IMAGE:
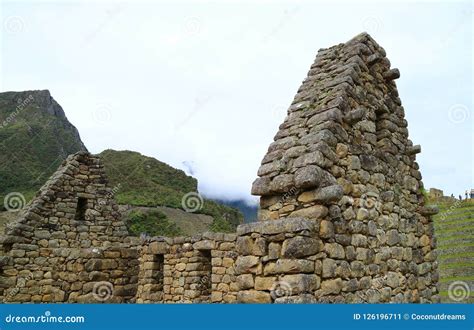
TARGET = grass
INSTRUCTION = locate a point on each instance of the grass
(456, 265)
(446, 294)
(455, 230)
(448, 238)
(454, 213)
(454, 223)
(153, 223)
(455, 217)
(456, 255)
(454, 226)
(457, 278)
(450, 246)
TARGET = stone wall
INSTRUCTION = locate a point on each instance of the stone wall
(343, 217)
(75, 275)
(184, 269)
(278, 261)
(100, 275)
(45, 250)
(436, 193)
(343, 156)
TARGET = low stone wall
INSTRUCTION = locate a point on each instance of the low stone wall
(102, 275)
(188, 269)
(277, 261)
(92, 275)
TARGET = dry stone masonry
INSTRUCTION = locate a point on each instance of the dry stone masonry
(196, 269)
(69, 237)
(342, 157)
(342, 214)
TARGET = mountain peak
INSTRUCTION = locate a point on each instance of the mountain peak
(35, 137)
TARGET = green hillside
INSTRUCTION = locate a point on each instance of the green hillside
(145, 181)
(35, 137)
(454, 230)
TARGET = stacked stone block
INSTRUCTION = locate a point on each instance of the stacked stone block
(343, 156)
(54, 230)
(195, 269)
(101, 275)
(75, 275)
(278, 261)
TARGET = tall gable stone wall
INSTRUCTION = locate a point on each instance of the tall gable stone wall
(343, 156)
(71, 220)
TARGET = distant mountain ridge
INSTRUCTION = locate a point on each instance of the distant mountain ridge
(35, 137)
(249, 211)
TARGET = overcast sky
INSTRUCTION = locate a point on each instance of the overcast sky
(204, 85)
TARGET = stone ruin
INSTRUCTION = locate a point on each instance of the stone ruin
(342, 214)
(436, 193)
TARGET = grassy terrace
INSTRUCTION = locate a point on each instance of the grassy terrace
(454, 230)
